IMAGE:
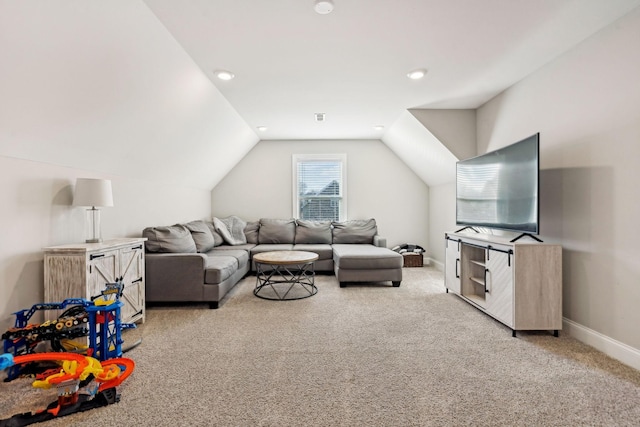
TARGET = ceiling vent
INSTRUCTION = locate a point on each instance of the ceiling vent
(320, 117)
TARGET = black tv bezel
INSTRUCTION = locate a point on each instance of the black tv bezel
(501, 226)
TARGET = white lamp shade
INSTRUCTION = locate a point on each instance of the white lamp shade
(93, 192)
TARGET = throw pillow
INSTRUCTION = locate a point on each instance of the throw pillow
(231, 229)
(201, 235)
(354, 231)
(173, 239)
(276, 231)
(313, 231)
(251, 231)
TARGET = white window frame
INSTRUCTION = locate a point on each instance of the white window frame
(298, 158)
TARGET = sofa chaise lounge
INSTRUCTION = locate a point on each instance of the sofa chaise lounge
(201, 261)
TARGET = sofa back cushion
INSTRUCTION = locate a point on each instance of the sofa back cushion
(276, 231)
(354, 231)
(313, 232)
(175, 238)
(251, 231)
(217, 238)
(201, 235)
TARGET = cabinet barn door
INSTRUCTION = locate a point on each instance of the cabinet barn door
(499, 296)
(452, 266)
(102, 269)
(132, 273)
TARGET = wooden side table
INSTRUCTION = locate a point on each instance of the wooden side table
(82, 270)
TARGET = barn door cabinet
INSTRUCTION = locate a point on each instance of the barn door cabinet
(82, 270)
(517, 283)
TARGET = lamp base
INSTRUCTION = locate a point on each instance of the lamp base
(93, 230)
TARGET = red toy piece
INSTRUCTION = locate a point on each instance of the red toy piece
(77, 371)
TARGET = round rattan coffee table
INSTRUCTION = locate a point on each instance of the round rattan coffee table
(285, 275)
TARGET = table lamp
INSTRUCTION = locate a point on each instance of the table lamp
(94, 193)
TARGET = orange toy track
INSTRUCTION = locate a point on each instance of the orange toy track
(128, 364)
(108, 373)
(82, 361)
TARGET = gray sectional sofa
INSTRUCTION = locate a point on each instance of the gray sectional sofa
(201, 261)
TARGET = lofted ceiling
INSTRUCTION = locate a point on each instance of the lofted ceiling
(291, 62)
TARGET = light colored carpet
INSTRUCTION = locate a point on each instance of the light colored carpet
(365, 355)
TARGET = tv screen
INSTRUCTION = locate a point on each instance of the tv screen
(500, 189)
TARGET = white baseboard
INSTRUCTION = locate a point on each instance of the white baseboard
(616, 349)
(620, 351)
(432, 262)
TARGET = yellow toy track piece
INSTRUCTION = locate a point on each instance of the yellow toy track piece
(70, 366)
(71, 345)
(94, 367)
(102, 301)
(45, 383)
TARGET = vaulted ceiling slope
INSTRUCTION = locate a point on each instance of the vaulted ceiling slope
(103, 86)
(126, 87)
(290, 62)
(351, 64)
(421, 151)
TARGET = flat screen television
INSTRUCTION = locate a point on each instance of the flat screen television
(500, 189)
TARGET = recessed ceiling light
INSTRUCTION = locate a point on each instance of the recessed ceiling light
(224, 74)
(417, 74)
(262, 128)
(378, 127)
(323, 6)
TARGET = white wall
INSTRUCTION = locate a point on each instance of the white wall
(379, 186)
(101, 90)
(455, 130)
(420, 149)
(442, 219)
(37, 212)
(586, 106)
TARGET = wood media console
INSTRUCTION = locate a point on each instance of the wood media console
(518, 283)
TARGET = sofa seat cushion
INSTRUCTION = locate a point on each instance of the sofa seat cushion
(246, 247)
(219, 268)
(361, 257)
(271, 247)
(323, 251)
(240, 255)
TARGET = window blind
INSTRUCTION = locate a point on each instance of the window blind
(320, 189)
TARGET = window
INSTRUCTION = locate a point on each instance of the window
(319, 186)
